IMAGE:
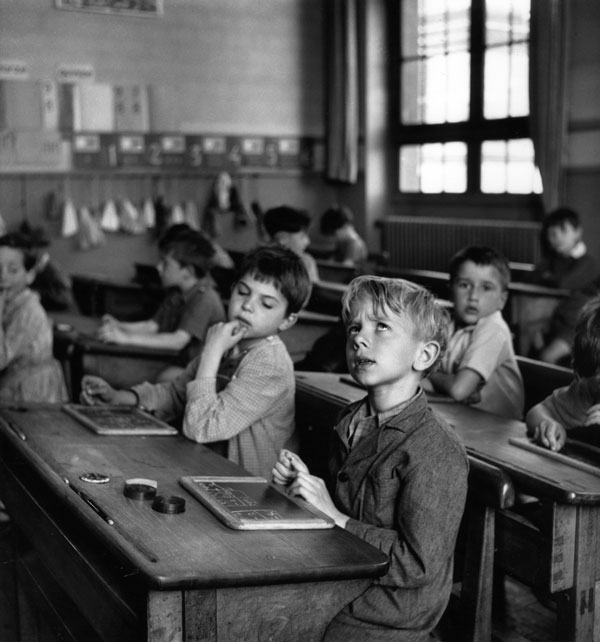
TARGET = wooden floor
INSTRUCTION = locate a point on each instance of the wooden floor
(526, 620)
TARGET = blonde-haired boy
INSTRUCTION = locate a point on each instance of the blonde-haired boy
(398, 472)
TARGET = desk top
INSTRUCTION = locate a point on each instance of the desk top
(188, 550)
(80, 330)
(486, 437)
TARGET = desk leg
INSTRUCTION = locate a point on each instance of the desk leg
(165, 616)
(290, 612)
(578, 615)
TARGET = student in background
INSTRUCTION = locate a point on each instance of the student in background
(398, 472)
(567, 265)
(578, 404)
(28, 370)
(188, 310)
(288, 227)
(349, 249)
(240, 389)
(50, 282)
(479, 367)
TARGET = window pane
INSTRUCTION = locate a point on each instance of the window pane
(506, 21)
(435, 68)
(519, 80)
(496, 83)
(508, 167)
(506, 81)
(493, 167)
(433, 168)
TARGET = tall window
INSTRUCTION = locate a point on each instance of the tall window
(463, 97)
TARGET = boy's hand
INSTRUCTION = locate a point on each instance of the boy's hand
(223, 336)
(108, 319)
(111, 334)
(287, 468)
(593, 415)
(550, 434)
(95, 391)
(313, 490)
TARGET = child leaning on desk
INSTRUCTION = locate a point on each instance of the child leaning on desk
(577, 404)
(240, 389)
(28, 370)
(398, 472)
(479, 367)
(188, 310)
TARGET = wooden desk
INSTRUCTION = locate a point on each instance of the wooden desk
(561, 555)
(80, 352)
(158, 577)
(98, 294)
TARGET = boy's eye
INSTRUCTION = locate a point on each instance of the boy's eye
(268, 305)
(382, 326)
(352, 329)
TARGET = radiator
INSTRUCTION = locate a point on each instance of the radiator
(429, 243)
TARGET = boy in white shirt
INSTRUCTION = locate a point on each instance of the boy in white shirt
(479, 367)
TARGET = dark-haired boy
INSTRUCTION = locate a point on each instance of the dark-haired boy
(189, 309)
(567, 264)
(578, 404)
(349, 249)
(240, 389)
(479, 367)
(288, 226)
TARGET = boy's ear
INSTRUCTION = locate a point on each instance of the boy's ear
(426, 356)
(288, 322)
(503, 298)
(30, 276)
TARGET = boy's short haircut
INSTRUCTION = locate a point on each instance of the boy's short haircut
(285, 219)
(335, 218)
(172, 232)
(481, 255)
(284, 268)
(418, 304)
(560, 217)
(190, 249)
(586, 345)
(21, 242)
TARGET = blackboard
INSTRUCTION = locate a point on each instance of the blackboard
(118, 420)
(252, 503)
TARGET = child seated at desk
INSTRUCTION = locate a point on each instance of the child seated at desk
(398, 472)
(577, 404)
(240, 389)
(479, 367)
(189, 309)
(567, 265)
(288, 226)
(28, 369)
(349, 249)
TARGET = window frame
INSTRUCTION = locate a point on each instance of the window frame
(472, 132)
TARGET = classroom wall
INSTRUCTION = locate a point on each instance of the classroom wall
(232, 67)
